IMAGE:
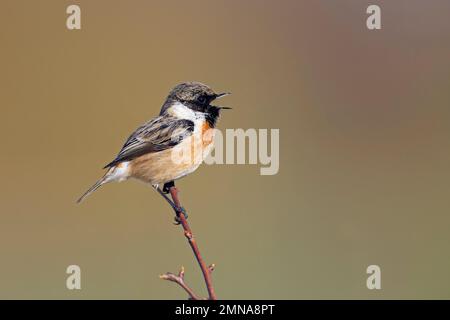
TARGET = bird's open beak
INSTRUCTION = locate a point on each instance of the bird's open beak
(220, 95)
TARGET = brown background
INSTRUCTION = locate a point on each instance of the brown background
(364, 126)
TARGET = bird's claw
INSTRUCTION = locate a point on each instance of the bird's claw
(177, 217)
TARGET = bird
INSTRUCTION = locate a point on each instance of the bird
(184, 126)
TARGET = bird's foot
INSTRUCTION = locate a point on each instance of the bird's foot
(177, 218)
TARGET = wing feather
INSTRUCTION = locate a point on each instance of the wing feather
(159, 134)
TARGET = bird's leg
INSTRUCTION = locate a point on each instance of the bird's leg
(173, 205)
(167, 186)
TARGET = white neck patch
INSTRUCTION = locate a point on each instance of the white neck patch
(181, 111)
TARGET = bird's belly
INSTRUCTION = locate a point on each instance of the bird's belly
(173, 163)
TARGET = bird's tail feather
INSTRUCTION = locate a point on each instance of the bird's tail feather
(97, 185)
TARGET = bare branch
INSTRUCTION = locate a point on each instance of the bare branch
(179, 279)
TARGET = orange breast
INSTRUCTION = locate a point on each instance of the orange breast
(207, 134)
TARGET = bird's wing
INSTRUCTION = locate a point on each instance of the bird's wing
(158, 134)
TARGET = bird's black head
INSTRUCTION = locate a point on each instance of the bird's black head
(198, 97)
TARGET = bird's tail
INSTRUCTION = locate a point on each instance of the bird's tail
(97, 185)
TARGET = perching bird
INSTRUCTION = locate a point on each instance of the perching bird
(171, 145)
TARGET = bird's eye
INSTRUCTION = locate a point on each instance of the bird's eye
(202, 99)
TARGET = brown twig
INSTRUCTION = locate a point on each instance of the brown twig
(190, 237)
(179, 279)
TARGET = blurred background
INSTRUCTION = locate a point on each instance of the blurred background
(364, 119)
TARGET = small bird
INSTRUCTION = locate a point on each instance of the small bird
(184, 124)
